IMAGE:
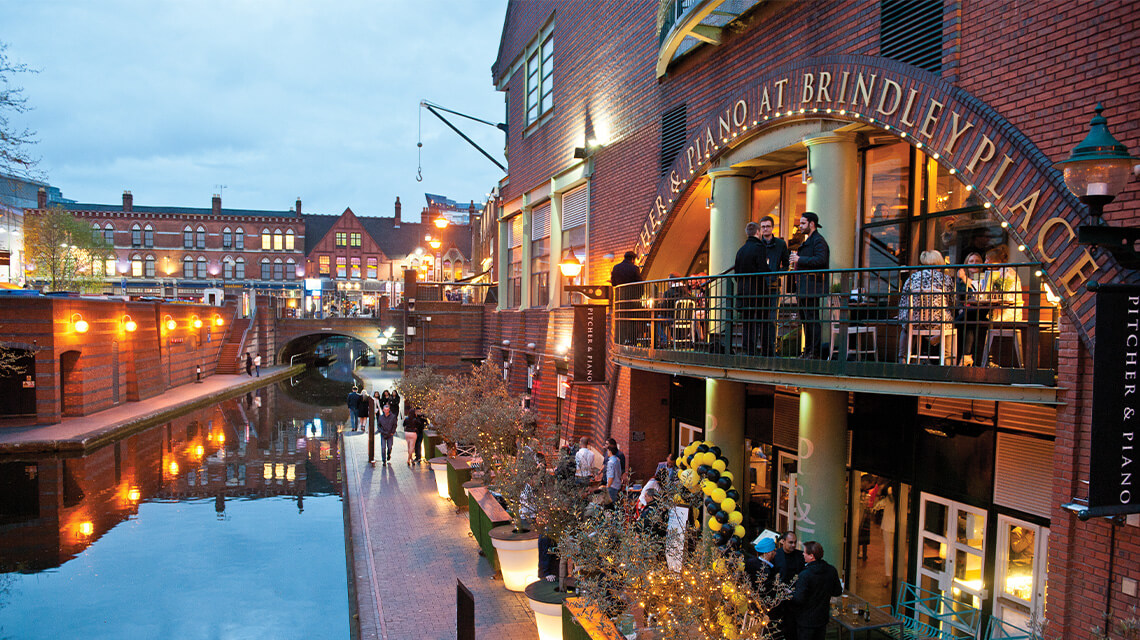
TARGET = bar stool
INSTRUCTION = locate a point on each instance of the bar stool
(860, 332)
(946, 345)
(1003, 332)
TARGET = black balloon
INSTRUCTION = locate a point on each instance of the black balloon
(711, 506)
(732, 493)
(735, 539)
(721, 516)
(712, 474)
(715, 451)
(703, 469)
(724, 483)
(702, 448)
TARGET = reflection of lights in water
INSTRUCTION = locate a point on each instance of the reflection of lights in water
(291, 472)
(279, 471)
(86, 528)
(221, 437)
(173, 468)
(267, 471)
(200, 451)
(133, 495)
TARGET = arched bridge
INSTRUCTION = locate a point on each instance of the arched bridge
(298, 335)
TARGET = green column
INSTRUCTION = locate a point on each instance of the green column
(724, 400)
(821, 502)
(555, 277)
(502, 249)
(526, 256)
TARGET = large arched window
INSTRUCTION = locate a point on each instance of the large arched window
(96, 233)
(109, 234)
(148, 236)
(136, 235)
(265, 269)
(201, 237)
(266, 240)
(290, 240)
(187, 267)
(148, 266)
(228, 268)
(290, 270)
(136, 266)
(278, 270)
(239, 269)
(109, 264)
(203, 272)
(187, 237)
(278, 240)
(227, 238)
(239, 238)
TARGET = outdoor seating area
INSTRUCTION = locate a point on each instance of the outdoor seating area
(979, 323)
(928, 614)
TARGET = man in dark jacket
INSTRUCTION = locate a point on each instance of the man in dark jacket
(354, 409)
(750, 262)
(627, 300)
(813, 254)
(817, 585)
(776, 256)
(789, 562)
(386, 422)
(625, 271)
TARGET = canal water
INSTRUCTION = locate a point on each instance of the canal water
(226, 522)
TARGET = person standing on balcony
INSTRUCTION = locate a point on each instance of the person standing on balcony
(626, 272)
(813, 255)
(751, 261)
(776, 255)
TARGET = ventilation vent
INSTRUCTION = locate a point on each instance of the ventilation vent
(910, 31)
(673, 125)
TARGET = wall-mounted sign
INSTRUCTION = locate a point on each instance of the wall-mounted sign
(1113, 477)
(590, 344)
(177, 340)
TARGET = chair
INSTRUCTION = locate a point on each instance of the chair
(860, 332)
(948, 338)
(1003, 332)
(683, 328)
(996, 629)
(927, 614)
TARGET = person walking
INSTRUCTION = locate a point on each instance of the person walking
(413, 434)
(613, 474)
(750, 261)
(395, 401)
(353, 403)
(248, 364)
(776, 256)
(584, 462)
(621, 456)
(373, 410)
(257, 364)
(812, 255)
(387, 423)
(817, 584)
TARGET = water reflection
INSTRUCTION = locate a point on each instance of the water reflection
(253, 480)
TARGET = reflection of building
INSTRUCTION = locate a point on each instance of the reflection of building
(902, 144)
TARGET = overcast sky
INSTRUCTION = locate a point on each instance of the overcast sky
(273, 98)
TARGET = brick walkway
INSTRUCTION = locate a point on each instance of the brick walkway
(409, 547)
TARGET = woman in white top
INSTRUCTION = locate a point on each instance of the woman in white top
(927, 300)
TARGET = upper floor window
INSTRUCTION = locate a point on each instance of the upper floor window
(96, 234)
(228, 268)
(239, 269)
(148, 265)
(540, 77)
(278, 240)
(356, 268)
(187, 238)
(188, 267)
(239, 238)
(290, 240)
(136, 236)
(341, 267)
(202, 270)
(323, 268)
(200, 237)
(371, 268)
(265, 269)
(354, 239)
(148, 236)
(341, 239)
(109, 264)
(109, 235)
(136, 266)
(266, 240)
(278, 270)
(290, 270)
(227, 238)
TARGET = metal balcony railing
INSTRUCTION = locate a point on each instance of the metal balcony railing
(965, 323)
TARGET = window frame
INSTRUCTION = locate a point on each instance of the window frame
(136, 235)
(200, 237)
(239, 239)
(538, 77)
(227, 238)
(187, 237)
(148, 236)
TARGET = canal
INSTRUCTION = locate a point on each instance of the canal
(226, 522)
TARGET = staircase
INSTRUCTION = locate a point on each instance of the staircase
(228, 357)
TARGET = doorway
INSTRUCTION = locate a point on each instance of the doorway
(880, 516)
(1019, 593)
(951, 550)
(70, 385)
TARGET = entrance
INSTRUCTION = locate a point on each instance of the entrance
(1020, 581)
(880, 519)
(951, 559)
(70, 389)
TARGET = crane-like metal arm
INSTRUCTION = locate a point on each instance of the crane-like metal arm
(432, 108)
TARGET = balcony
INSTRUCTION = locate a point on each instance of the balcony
(945, 331)
(686, 24)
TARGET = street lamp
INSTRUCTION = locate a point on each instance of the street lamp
(1095, 172)
(441, 222)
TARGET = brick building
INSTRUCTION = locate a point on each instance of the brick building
(909, 128)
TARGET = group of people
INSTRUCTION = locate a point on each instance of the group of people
(252, 364)
(379, 413)
(806, 614)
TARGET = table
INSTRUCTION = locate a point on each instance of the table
(879, 619)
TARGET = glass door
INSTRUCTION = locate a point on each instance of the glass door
(951, 551)
(1020, 581)
(785, 492)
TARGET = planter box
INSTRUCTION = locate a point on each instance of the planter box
(518, 556)
(458, 472)
(485, 513)
(546, 602)
(439, 468)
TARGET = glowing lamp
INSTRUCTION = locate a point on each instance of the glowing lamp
(571, 266)
(86, 528)
(218, 321)
(196, 321)
(435, 244)
(441, 222)
(169, 323)
(129, 325)
(221, 438)
(1099, 167)
(548, 619)
(200, 451)
(173, 468)
(440, 470)
(80, 324)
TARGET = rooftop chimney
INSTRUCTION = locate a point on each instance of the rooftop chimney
(217, 205)
(41, 200)
(298, 206)
(397, 223)
(128, 201)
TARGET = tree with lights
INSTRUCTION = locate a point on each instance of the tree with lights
(63, 250)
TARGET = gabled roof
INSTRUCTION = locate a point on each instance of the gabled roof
(395, 242)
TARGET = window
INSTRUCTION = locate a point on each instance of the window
(239, 269)
(228, 268)
(323, 265)
(148, 265)
(200, 237)
(514, 262)
(278, 240)
(202, 271)
(539, 78)
(227, 238)
(354, 240)
(290, 240)
(341, 239)
(371, 273)
(188, 267)
(356, 268)
(136, 236)
(109, 235)
(239, 238)
(96, 234)
(290, 270)
(148, 237)
(540, 256)
(575, 211)
(109, 264)
(278, 270)
(266, 269)
(136, 266)
(187, 238)
(341, 267)
(266, 240)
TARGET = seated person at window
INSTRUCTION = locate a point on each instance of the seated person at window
(927, 300)
(1001, 288)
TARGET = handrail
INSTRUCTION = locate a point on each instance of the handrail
(293, 357)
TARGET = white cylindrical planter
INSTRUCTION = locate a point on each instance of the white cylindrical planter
(546, 602)
(439, 468)
(518, 556)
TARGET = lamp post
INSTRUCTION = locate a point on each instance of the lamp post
(435, 244)
(1095, 172)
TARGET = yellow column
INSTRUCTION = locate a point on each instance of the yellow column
(833, 192)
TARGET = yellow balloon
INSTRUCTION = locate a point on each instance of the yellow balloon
(735, 518)
(727, 474)
(710, 458)
(739, 531)
(728, 504)
(714, 524)
(719, 465)
(707, 487)
(682, 464)
(688, 478)
(718, 495)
